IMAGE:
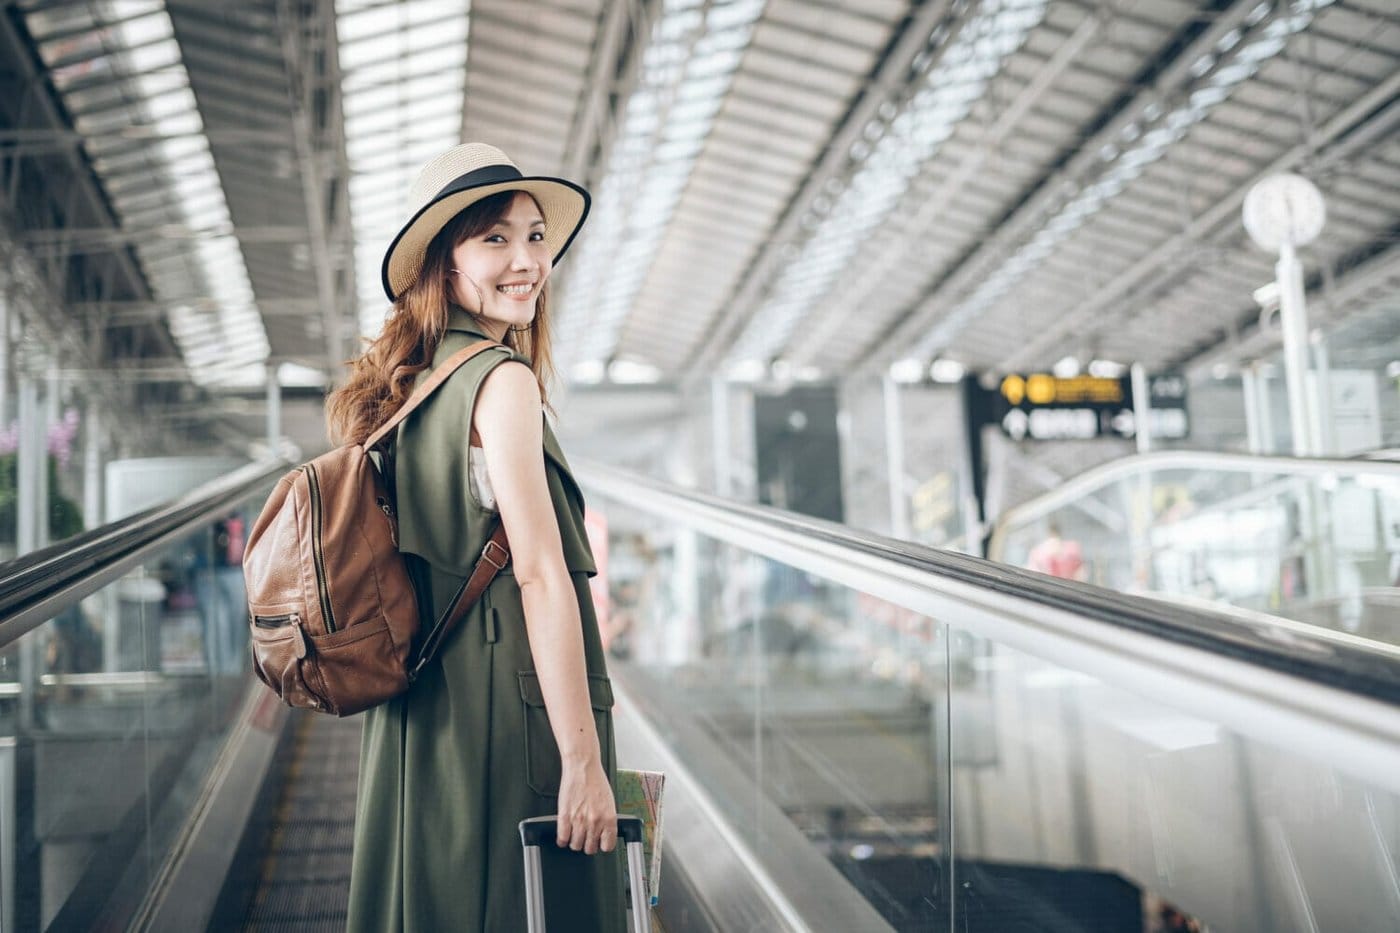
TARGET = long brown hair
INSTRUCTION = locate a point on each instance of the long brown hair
(381, 379)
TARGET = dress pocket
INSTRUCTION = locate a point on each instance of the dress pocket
(542, 767)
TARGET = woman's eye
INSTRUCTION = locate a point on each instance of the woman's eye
(537, 237)
(495, 237)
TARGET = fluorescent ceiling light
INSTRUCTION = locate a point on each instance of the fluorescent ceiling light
(633, 372)
(946, 371)
(908, 370)
(589, 372)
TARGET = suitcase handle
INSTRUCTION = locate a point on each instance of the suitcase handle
(540, 829)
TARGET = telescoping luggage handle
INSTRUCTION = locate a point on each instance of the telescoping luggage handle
(538, 830)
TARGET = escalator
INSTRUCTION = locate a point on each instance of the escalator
(302, 857)
(858, 734)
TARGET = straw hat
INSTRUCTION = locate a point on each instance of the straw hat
(460, 177)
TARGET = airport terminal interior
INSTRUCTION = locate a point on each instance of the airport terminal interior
(987, 411)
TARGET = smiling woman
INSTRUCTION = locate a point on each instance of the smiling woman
(513, 716)
(511, 258)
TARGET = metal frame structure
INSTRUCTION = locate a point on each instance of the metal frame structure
(784, 189)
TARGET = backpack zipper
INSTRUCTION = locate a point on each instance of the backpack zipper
(274, 621)
(319, 557)
(388, 511)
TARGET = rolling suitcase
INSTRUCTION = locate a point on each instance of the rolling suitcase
(538, 830)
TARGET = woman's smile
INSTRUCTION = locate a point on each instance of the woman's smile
(521, 292)
(501, 271)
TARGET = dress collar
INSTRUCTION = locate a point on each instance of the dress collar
(459, 319)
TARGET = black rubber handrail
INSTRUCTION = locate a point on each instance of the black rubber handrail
(1253, 638)
(40, 584)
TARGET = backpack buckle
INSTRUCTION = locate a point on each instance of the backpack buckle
(486, 555)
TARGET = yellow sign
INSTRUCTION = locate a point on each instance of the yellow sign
(1045, 389)
(1041, 389)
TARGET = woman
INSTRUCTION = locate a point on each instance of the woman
(513, 717)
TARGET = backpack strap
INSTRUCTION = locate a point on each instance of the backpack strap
(494, 557)
(434, 382)
(492, 561)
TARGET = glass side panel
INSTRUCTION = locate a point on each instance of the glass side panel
(958, 784)
(1078, 800)
(111, 715)
(1322, 549)
(814, 714)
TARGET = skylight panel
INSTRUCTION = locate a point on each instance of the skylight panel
(886, 166)
(686, 70)
(405, 70)
(1220, 76)
(134, 47)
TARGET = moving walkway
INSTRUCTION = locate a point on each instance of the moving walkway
(859, 734)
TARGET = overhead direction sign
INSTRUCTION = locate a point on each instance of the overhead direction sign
(1041, 406)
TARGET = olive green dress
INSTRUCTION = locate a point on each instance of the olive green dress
(449, 769)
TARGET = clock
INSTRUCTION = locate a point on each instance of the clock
(1284, 208)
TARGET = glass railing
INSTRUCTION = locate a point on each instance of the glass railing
(1317, 541)
(901, 738)
(121, 667)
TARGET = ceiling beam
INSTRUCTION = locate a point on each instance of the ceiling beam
(1043, 197)
(1360, 124)
(614, 64)
(973, 162)
(29, 141)
(80, 240)
(17, 49)
(129, 313)
(1345, 298)
(891, 74)
(309, 51)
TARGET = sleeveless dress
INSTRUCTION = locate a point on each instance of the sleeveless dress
(448, 769)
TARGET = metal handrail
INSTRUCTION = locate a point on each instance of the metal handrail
(1092, 480)
(37, 586)
(1280, 683)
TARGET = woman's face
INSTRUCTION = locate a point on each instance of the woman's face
(497, 274)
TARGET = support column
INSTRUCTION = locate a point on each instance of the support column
(1321, 399)
(4, 352)
(1253, 423)
(973, 494)
(274, 411)
(1293, 315)
(28, 506)
(894, 460)
(1266, 410)
(1142, 409)
(30, 458)
(92, 466)
(722, 443)
(53, 389)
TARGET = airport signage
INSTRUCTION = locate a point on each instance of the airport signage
(1043, 407)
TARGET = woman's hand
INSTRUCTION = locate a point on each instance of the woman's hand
(587, 810)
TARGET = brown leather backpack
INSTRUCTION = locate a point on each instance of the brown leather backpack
(332, 609)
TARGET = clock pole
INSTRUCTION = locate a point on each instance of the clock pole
(1281, 213)
(1293, 316)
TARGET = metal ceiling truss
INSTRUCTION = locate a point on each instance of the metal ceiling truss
(893, 73)
(1158, 79)
(1361, 116)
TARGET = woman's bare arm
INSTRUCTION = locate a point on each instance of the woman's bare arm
(509, 419)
